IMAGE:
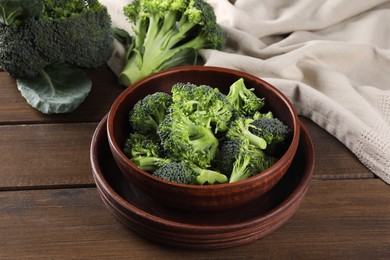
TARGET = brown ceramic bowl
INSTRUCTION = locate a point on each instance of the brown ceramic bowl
(195, 197)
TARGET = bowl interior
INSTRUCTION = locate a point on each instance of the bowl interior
(220, 78)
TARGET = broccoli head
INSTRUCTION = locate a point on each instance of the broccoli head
(240, 128)
(178, 172)
(145, 152)
(203, 105)
(18, 55)
(168, 33)
(149, 112)
(76, 32)
(272, 130)
(228, 152)
(244, 100)
(241, 160)
(189, 173)
(142, 145)
(184, 140)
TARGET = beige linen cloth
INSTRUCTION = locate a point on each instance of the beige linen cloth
(330, 57)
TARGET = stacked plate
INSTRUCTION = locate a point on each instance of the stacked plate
(200, 230)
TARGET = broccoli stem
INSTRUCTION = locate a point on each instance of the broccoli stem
(202, 138)
(149, 163)
(148, 58)
(241, 169)
(206, 176)
(256, 140)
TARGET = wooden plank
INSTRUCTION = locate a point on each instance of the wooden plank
(45, 155)
(15, 110)
(335, 221)
(58, 154)
(333, 159)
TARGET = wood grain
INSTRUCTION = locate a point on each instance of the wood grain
(44, 155)
(336, 220)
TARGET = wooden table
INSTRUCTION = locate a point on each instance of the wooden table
(50, 208)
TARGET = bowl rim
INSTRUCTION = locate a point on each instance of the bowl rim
(118, 150)
(295, 197)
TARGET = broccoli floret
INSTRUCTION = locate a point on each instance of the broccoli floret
(142, 145)
(240, 128)
(203, 105)
(189, 173)
(76, 33)
(259, 115)
(168, 33)
(241, 160)
(272, 130)
(228, 152)
(178, 172)
(145, 152)
(18, 55)
(244, 100)
(149, 164)
(184, 140)
(149, 112)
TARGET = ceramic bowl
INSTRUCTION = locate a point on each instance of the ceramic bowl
(195, 197)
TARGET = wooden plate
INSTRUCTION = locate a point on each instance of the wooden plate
(199, 230)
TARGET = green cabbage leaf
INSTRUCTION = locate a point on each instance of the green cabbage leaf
(56, 89)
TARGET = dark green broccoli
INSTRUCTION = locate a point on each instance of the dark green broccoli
(272, 130)
(145, 151)
(228, 152)
(184, 140)
(189, 173)
(203, 105)
(12, 11)
(168, 33)
(76, 32)
(240, 128)
(241, 160)
(178, 172)
(149, 112)
(244, 100)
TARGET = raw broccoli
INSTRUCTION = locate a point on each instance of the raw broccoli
(272, 130)
(203, 105)
(228, 152)
(145, 152)
(208, 176)
(76, 32)
(188, 173)
(14, 10)
(149, 112)
(243, 99)
(241, 160)
(184, 140)
(168, 33)
(240, 128)
(178, 172)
